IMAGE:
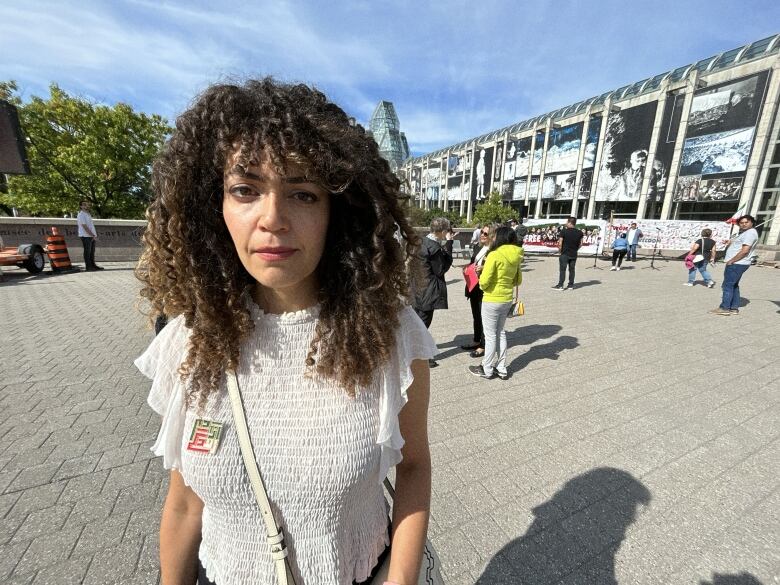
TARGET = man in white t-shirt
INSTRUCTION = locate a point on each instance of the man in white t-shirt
(88, 235)
(737, 259)
(475, 235)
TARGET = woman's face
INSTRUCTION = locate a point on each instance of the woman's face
(278, 225)
(483, 236)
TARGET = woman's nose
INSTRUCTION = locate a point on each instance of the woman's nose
(274, 213)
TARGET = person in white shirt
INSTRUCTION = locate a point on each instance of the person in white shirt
(634, 233)
(270, 247)
(88, 235)
(737, 259)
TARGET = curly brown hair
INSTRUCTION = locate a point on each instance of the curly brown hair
(190, 266)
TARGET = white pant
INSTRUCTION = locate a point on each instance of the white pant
(493, 319)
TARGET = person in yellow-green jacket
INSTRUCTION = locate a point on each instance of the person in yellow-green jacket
(499, 276)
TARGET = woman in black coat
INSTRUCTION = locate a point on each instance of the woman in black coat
(475, 295)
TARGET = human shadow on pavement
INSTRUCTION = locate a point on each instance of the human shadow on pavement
(546, 351)
(577, 532)
(529, 334)
(732, 579)
(585, 283)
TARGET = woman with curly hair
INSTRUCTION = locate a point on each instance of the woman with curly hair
(270, 247)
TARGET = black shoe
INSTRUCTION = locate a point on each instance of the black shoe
(570, 287)
(477, 354)
(432, 363)
(96, 267)
(480, 371)
(90, 269)
(558, 287)
(502, 376)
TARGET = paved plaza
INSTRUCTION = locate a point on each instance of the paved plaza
(637, 440)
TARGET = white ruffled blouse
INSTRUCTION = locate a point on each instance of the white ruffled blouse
(322, 454)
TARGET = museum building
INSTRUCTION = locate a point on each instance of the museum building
(699, 142)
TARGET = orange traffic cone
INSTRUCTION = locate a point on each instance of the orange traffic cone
(57, 251)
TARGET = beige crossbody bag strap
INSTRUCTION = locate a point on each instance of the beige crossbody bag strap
(274, 533)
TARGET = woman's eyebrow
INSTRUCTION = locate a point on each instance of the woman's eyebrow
(237, 171)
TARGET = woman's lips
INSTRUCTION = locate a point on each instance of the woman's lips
(275, 254)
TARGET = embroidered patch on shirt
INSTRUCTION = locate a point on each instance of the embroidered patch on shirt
(205, 436)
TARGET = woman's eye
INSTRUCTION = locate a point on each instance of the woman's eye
(305, 196)
(242, 191)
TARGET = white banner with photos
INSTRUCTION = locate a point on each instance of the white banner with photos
(670, 234)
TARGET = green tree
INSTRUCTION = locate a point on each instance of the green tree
(80, 150)
(493, 211)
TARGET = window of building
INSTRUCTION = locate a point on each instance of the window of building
(727, 58)
(757, 48)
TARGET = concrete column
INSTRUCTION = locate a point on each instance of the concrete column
(599, 153)
(530, 169)
(755, 176)
(678, 147)
(659, 116)
(424, 184)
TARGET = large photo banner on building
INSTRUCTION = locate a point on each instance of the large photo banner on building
(543, 235)
(483, 172)
(538, 153)
(664, 151)
(624, 155)
(431, 181)
(523, 158)
(592, 143)
(670, 234)
(719, 139)
(499, 161)
(563, 149)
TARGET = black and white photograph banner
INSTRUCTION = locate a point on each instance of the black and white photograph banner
(523, 158)
(538, 153)
(559, 186)
(728, 106)
(480, 186)
(518, 193)
(499, 158)
(664, 151)
(624, 159)
(563, 149)
(592, 142)
(694, 188)
(724, 152)
(586, 182)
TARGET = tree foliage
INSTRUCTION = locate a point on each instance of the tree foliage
(80, 150)
(493, 211)
(423, 217)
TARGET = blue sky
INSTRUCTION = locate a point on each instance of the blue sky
(453, 69)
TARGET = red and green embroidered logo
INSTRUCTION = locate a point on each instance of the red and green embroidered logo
(205, 436)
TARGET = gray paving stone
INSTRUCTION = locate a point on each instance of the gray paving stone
(114, 565)
(48, 550)
(42, 522)
(70, 572)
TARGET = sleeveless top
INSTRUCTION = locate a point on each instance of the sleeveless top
(322, 454)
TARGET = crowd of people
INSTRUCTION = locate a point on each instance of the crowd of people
(493, 274)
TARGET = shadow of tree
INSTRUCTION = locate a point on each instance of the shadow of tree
(546, 351)
(576, 533)
(732, 579)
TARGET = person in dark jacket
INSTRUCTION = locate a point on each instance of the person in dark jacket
(436, 256)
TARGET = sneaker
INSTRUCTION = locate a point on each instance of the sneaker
(432, 363)
(618, 267)
(710, 284)
(687, 284)
(613, 268)
(719, 311)
(570, 287)
(558, 287)
(504, 376)
(734, 311)
(480, 371)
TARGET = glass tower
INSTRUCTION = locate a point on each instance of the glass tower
(385, 129)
